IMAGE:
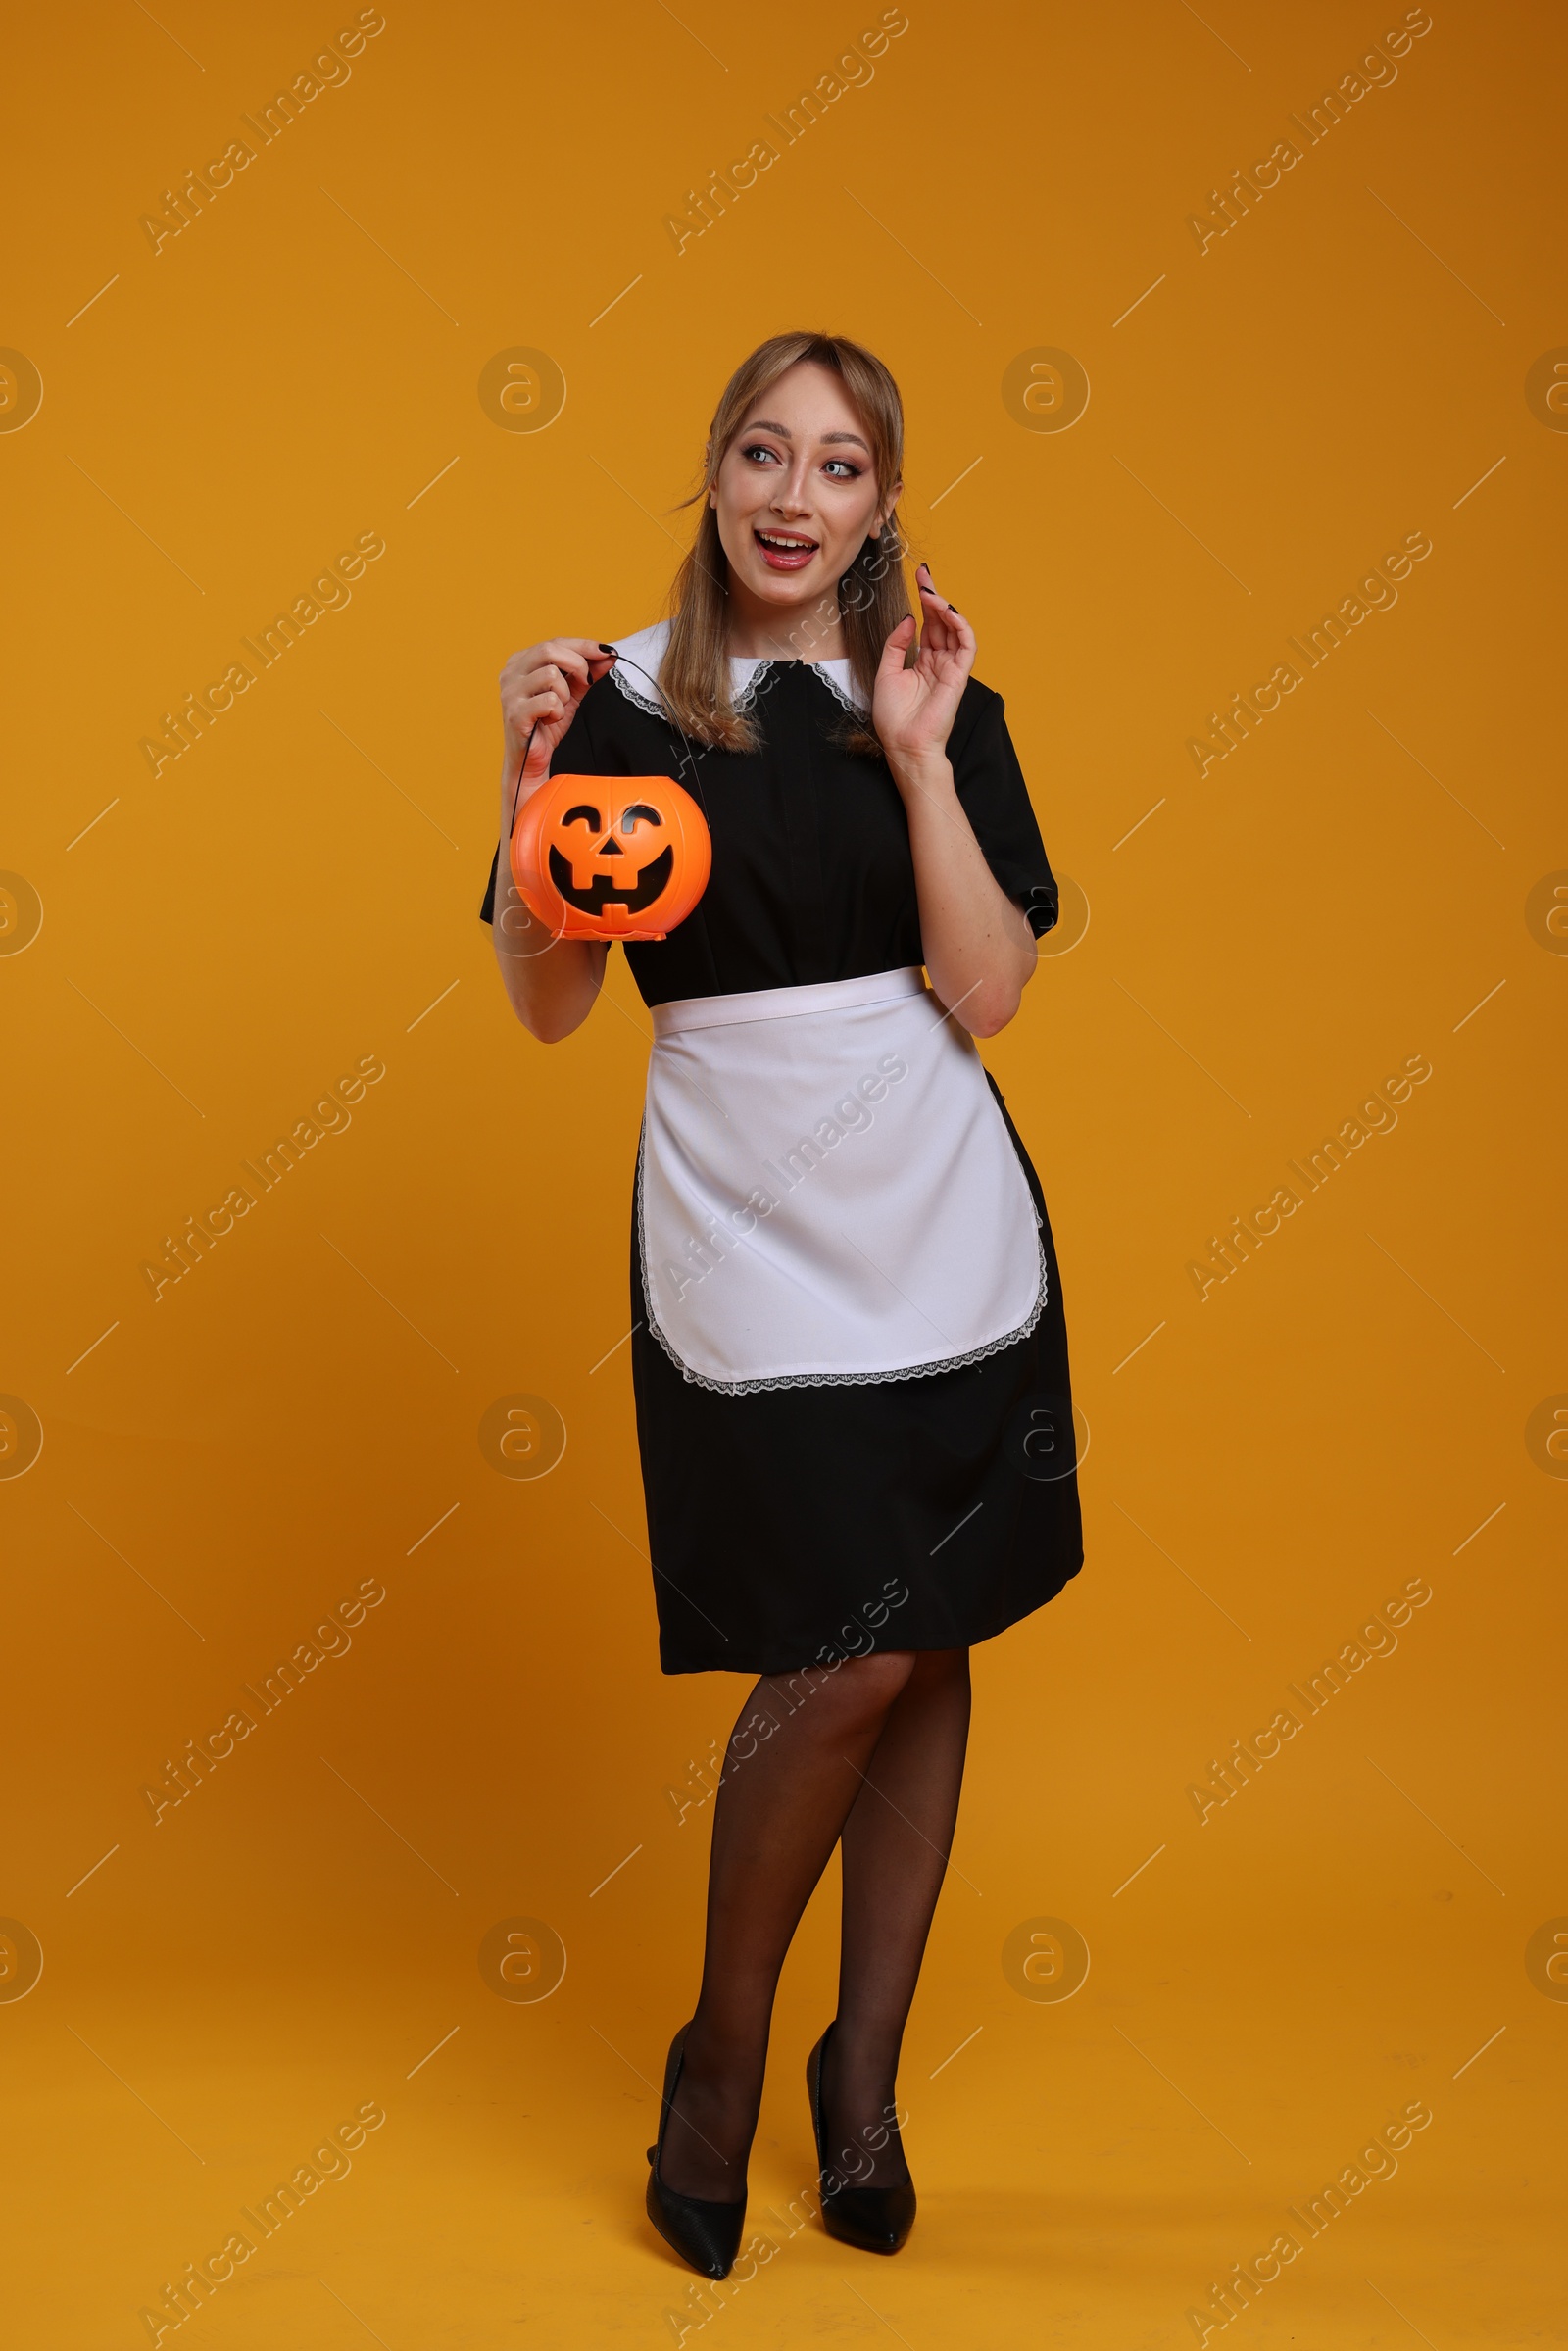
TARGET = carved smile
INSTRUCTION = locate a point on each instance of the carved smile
(649, 884)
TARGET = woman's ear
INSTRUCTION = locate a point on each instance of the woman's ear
(885, 510)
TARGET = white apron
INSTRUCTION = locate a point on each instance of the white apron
(826, 1191)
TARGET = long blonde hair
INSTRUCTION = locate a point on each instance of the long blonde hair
(871, 598)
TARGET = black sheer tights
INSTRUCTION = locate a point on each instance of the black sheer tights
(871, 1752)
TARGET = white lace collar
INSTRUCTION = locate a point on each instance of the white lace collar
(646, 649)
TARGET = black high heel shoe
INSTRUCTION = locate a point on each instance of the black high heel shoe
(876, 2219)
(705, 2233)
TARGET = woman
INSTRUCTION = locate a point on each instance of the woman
(850, 1361)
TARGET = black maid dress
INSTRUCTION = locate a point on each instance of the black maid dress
(798, 1526)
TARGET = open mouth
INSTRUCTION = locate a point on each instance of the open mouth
(634, 893)
(785, 549)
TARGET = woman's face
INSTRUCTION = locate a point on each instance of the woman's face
(797, 494)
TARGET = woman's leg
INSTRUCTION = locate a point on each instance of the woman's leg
(895, 1844)
(792, 1773)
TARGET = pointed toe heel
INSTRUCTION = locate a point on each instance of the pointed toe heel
(705, 2233)
(874, 2220)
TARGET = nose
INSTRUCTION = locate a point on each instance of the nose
(792, 496)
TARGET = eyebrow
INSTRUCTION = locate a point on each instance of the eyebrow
(766, 424)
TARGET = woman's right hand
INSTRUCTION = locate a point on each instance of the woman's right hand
(552, 983)
(540, 691)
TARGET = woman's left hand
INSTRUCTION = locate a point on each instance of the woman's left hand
(975, 942)
(912, 709)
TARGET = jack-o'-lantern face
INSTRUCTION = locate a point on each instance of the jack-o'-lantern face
(596, 853)
(623, 856)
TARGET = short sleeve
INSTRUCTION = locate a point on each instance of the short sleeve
(994, 798)
(580, 752)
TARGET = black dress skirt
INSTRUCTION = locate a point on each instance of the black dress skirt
(800, 1525)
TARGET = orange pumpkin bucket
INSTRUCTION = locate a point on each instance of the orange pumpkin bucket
(611, 856)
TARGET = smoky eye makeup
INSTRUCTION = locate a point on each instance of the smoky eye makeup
(837, 468)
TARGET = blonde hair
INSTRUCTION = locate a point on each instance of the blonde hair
(871, 598)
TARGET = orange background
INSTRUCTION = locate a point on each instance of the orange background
(1267, 418)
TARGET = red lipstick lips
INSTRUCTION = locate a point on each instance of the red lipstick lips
(784, 550)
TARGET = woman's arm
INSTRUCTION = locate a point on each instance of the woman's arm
(551, 983)
(979, 949)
